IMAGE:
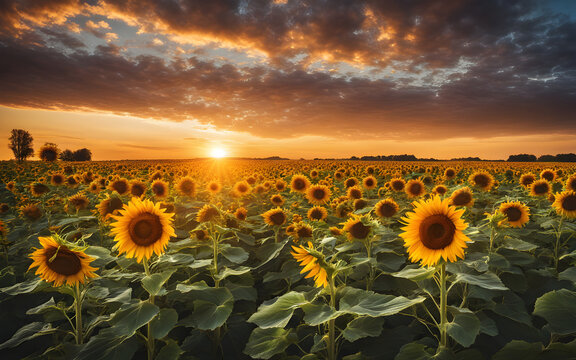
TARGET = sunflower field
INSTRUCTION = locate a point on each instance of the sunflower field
(254, 259)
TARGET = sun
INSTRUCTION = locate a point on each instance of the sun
(218, 152)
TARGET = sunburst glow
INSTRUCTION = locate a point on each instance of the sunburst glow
(218, 152)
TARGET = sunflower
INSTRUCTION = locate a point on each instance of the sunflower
(78, 201)
(57, 179)
(311, 263)
(540, 188)
(318, 194)
(317, 213)
(241, 188)
(397, 184)
(213, 187)
(517, 214)
(449, 173)
(109, 206)
(359, 204)
(121, 186)
(314, 174)
(354, 192)
(356, 229)
(415, 188)
(60, 264)
(4, 208)
(462, 197)
(350, 182)
(386, 208)
(299, 183)
(142, 228)
(440, 190)
(48, 152)
(571, 183)
(241, 213)
(277, 200)
(302, 231)
(11, 186)
(200, 234)
(369, 182)
(275, 217)
(186, 186)
(280, 185)
(335, 231)
(137, 188)
(160, 188)
(39, 189)
(94, 187)
(565, 204)
(548, 174)
(207, 213)
(527, 179)
(32, 212)
(434, 231)
(482, 180)
(370, 170)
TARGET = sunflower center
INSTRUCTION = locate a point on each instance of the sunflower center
(369, 182)
(299, 184)
(548, 175)
(159, 189)
(437, 231)
(65, 263)
(316, 214)
(397, 185)
(278, 218)
(387, 210)
(120, 186)
(415, 188)
(513, 214)
(359, 230)
(481, 180)
(541, 188)
(318, 194)
(569, 203)
(462, 198)
(145, 229)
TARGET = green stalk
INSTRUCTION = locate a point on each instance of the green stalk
(557, 244)
(332, 323)
(370, 280)
(443, 306)
(149, 338)
(78, 307)
(492, 234)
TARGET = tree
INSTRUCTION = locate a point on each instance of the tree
(21, 144)
(66, 155)
(522, 158)
(82, 155)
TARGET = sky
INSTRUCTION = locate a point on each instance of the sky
(148, 79)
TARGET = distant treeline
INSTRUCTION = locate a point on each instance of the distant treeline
(544, 158)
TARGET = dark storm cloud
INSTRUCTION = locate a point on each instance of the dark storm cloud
(520, 75)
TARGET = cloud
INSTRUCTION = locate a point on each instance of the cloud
(144, 147)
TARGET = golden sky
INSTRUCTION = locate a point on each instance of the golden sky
(148, 80)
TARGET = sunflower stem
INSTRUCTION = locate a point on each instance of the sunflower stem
(370, 280)
(443, 307)
(149, 337)
(492, 235)
(557, 244)
(78, 307)
(332, 323)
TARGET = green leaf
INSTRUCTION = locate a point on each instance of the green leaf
(265, 343)
(558, 307)
(153, 283)
(464, 329)
(101, 254)
(518, 349)
(225, 272)
(414, 351)
(170, 351)
(123, 296)
(362, 327)
(50, 304)
(24, 287)
(568, 274)
(361, 302)
(278, 313)
(132, 317)
(487, 281)
(415, 274)
(316, 314)
(513, 307)
(246, 238)
(108, 345)
(98, 292)
(236, 255)
(28, 332)
(517, 244)
(165, 321)
(212, 308)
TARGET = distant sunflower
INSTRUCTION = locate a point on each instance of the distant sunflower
(565, 204)
(527, 179)
(241, 214)
(415, 188)
(318, 194)
(397, 184)
(78, 201)
(213, 187)
(540, 188)
(11, 186)
(548, 174)
(137, 188)
(39, 189)
(275, 217)
(48, 152)
(121, 186)
(571, 183)
(350, 182)
(141, 229)
(59, 264)
(57, 179)
(434, 231)
(94, 187)
(310, 263)
(186, 186)
(207, 213)
(369, 182)
(71, 181)
(299, 183)
(241, 188)
(440, 190)
(386, 208)
(354, 192)
(449, 173)
(462, 197)
(302, 231)
(317, 213)
(356, 229)
(32, 212)
(277, 200)
(517, 214)
(109, 206)
(200, 234)
(360, 204)
(160, 188)
(4, 208)
(280, 185)
(482, 180)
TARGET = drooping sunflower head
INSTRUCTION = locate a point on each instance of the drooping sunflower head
(548, 174)
(356, 229)
(415, 188)
(78, 201)
(565, 204)
(369, 182)
(275, 217)
(213, 187)
(60, 263)
(302, 231)
(386, 208)
(527, 179)
(121, 186)
(200, 234)
(48, 152)
(277, 200)
(39, 189)
(317, 213)
(31, 212)
(434, 231)
(160, 188)
(186, 186)
(354, 192)
(141, 229)
(207, 213)
(482, 180)
(241, 213)
(299, 183)
(109, 206)
(517, 213)
(312, 262)
(318, 194)
(540, 188)
(359, 204)
(462, 197)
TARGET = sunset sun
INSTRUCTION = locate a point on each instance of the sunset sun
(218, 152)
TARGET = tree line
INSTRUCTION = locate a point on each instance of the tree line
(20, 142)
(543, 158)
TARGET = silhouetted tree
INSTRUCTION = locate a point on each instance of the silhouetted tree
(21, 144)
(566, 157)
(522, 158)
(547, 158)
(66, 155)
(82, 155)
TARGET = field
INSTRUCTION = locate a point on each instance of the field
(240, 259)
